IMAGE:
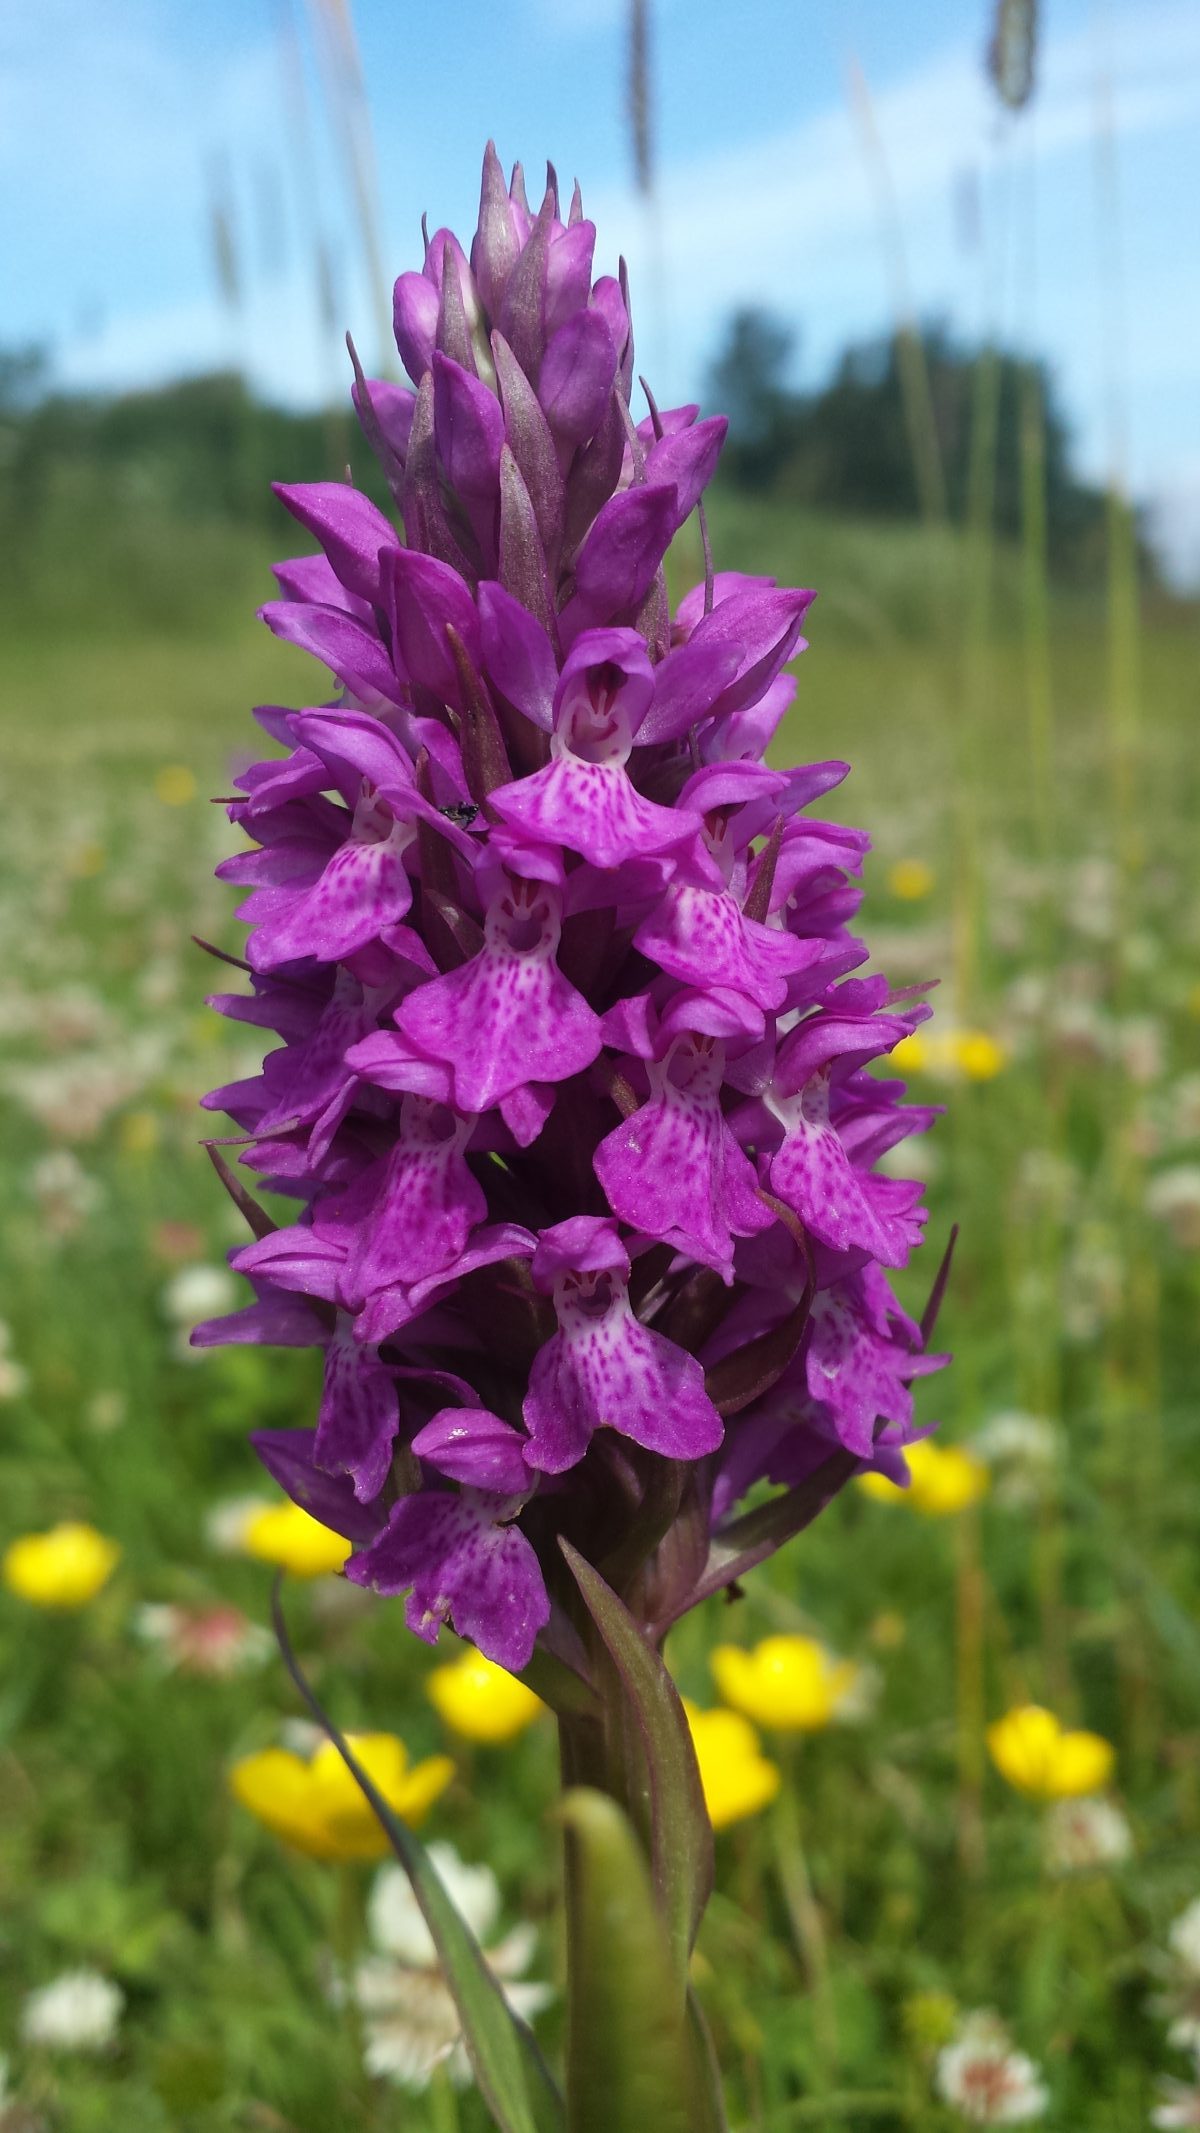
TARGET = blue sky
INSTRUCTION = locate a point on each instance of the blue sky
(118, 124)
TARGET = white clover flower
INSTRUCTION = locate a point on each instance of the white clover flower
(226, 1523)
(1179, 2004)
(14, 1378)
(1180, 2105)
(66, 1194)
(216, 1640)
(1173, 1197)
(78, 2012)
(1024, 1452)
(982, 2078)
(198, 1292)
(410, 2022)
(1085, 1833)
(1184, 1938)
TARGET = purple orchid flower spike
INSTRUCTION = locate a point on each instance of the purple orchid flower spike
(579, 1110)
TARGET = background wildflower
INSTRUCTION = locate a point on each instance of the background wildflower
(982, 2078)
(64, 1568)
(480, 1700)
(1035, 1754)
(410, 2022)
(221, 1641)
(1178, 2105)
(77, 2012)
(788, 1682)
(1082, 1834)
(14, 1378)
(1180, 2002)
(1173, 1198)
(943, 1479)
(910, 880)
(315, 1805)
(738, 1779)
(1023, 1454)
(175, 784)
(286, 1535)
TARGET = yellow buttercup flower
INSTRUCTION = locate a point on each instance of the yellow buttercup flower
(977, 1054)
(175, 784)
(481, 1700)
(945, 1479)
(791, 1683)
(1034, 1753)
(65, 1567)
(738, 1779)
(910, 880)
(289, 1537)
(315, 1805)
(912, 1055)
(951, 1054)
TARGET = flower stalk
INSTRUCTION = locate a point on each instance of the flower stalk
(574, 1099)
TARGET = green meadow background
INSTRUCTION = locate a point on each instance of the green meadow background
(1035, 746)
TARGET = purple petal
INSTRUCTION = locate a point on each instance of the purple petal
(686, 462)
(846, 1208)
(615, 566)
(517, 654)
(586, 1244)
(428, 598)
(359, 1416)
(414, 318)
(393, 407)
(568, 273)
(616, 1374)
(508, 1016)
(295, 1258)
(701, 936)
(287, 1455)
(313, 580)
(472, 1445)
(592, 808)
(347, 524)
(351, 652)
(577, 377)
(463, 1566)
(428, 1206)
(363, 889)
(468, 429)
(497, 240)
(674, 1169)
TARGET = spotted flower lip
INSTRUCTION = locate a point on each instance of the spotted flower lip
(575, 1099)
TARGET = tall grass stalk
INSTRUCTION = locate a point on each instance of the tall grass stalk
(804, 1915)
(969, 1691)
(346, 94)
(1133, 1424)
(915, 387)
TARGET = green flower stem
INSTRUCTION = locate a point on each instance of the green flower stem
(443, 2103)
(970, 1692)
(803, 1911)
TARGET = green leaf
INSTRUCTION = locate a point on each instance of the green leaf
(628, 2062)
(708, 2104)
(509, 2069)
(680, 1832)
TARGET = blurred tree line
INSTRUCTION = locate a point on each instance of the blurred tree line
(108, 476)
(847, 446)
